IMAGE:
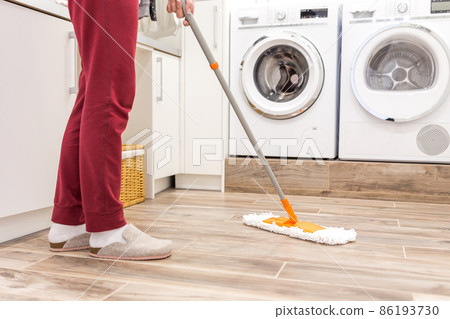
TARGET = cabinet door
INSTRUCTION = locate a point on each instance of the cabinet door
(203, 120)
(37, 67)
(165, 147)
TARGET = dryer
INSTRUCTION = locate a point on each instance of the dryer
(284, 73)
(395, 103)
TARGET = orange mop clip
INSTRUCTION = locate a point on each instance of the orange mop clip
(292, 221)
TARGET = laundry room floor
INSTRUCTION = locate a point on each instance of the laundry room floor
(401, 253)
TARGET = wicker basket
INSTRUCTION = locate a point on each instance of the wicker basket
(132, 186)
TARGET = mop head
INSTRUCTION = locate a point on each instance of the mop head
(329, 235)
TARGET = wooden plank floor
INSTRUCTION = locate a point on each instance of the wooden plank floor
(402, 253)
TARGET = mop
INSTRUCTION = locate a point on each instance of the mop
(289, 226)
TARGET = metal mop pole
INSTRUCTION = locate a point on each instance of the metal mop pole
(215, 67)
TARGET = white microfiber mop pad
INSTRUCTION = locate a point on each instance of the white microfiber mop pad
(329, 235)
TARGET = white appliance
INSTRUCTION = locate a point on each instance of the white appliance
(284, 74)
(395, 102)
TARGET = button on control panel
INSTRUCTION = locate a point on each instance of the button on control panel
(402, 7)
(281, 15)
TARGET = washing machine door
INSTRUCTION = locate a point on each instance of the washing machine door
(401, 73)
(282, 75)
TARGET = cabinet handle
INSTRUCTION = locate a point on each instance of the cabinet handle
(160, 97)
(216, 14)
(74, 88)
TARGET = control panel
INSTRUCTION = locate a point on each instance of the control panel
(440, 6)
(399, 9)
(287, 15)
(295, 15)
(313, 13)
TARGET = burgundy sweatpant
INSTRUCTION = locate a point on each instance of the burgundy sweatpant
(89, 176)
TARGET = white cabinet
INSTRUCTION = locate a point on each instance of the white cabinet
(46, 6)
(155, 117)
(37, 69)
(205, 106)
(166, 115)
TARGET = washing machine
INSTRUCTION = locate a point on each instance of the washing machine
(395, 103)
(284, 72)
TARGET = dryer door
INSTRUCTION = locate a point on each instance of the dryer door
(282, 75)
(401, 73)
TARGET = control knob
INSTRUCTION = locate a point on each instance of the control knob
(402, 7)
(281, 15)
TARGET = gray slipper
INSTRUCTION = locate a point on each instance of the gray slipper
(139, 246)
(79, 242)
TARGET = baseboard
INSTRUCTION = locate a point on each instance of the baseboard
(199, 182)
(412, 182)
(15, 226)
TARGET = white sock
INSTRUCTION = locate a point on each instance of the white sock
(104, 238)
(60, 233)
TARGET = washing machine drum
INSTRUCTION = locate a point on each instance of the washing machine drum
(282, 75)
(401, 73)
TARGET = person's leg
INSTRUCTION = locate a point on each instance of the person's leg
(89, 173)
(107, 32)
(68, 228)
(67, 201)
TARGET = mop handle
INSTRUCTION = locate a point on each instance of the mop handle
(215, 67)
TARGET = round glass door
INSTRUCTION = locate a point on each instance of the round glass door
(402, 66)
(282, 75)
(401, 73)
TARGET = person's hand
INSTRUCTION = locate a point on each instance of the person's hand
(175, 6)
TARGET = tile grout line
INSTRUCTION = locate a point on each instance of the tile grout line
(218, 207)
(300, 261)
(281, 269)
(234, 256)
(115, 291)
(312, 213)
(340, 202)
(421, 247)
